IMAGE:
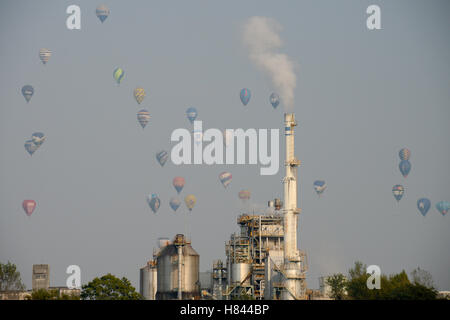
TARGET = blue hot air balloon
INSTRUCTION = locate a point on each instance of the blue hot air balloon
(162, 157)
(27, 92)
(443, 207)
(423, 205)
(38, 138)
(191, 114)
(102, 12)
(405, 167)
(225, 178)
(274, 100)
(175, 203)
(154, 202)
(30, 146)
(245, 96)
(319, 186)
(398, 191)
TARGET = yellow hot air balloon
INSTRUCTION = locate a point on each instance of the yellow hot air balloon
(139, 94)
(190, 201)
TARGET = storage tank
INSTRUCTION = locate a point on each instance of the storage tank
(240, 271)
(169, 267)
(148, 280)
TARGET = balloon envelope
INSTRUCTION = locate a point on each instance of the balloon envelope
(225, 178)
(245, 96)
(29, 206)
(174, 203)
(38, 138)
(162, 157)
(274, 100)
(30, 147)
(423, 205)
(443, 207)
(139, 94)
(398, 191)
(405, 167)
(190, 201)
(102, 12)
(44, 55)
(143, 117)
(244, 195)
(178, 183)
(191, 114)
(319, 186)
(118, 75)
(404, 154)
(27, 92)
(153, 202)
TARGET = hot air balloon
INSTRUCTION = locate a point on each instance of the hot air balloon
(102, 12)
(162, 157)
(174, 203)
(38, 138)
(178, 183)
(44, 55)
(398, 191)
(139, 94)
(198, 136)
(423, 205)
(29, 206)
(30, 147)
(118, 74)
(244, 195)
(191, 114)
(227, 137)
(153, 202)
(245, 96)
(319, 186)
(443, 207)
(274, 100)
(225, 178)
(404, 154)
(405, 167)
(27, 92)
(143, 117)
(190, 201)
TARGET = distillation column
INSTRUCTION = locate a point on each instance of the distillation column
(293, 275)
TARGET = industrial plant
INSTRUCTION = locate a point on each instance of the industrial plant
(262, 259)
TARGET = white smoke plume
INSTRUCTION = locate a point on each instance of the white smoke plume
(262, 40)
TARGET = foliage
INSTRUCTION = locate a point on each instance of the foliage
(109, 287)
(338, 284)
(10, 278)
(52, 294)
(422, 277)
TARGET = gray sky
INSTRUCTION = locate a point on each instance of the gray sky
(361, 96)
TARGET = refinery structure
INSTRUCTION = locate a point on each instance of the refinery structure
(262, 259)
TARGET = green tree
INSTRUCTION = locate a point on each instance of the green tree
(51, 294)
(109, 287)
(10, 278)
(338, 284)
(422, 277)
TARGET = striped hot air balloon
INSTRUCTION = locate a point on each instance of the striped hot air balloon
(154, 202)
(244, 195)
(143, 117)
(44, 55)
(398, 191)
(102, 12)
(225, 178)
(139, 94)
(404, 154)
(162, 157)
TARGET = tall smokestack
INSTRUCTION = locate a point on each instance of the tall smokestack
(293, 275)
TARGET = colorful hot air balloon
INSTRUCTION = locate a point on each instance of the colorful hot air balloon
(405, 167)
(404, 154)
(190, 201)
(443, 207)
(423, 205)
(162, 157)
(319, 186)
(102, 12)
(38, 138)
(398, 191)
(154, 202)
(143, 117)
(44, 55)
(118, 74)
(174, 203)
(178, 183)
(29, 206)
(244, 195)
(139, 94)
(245, 96)
(191, 114)
(30, 147)
(274, 100)
(225, 178)
(27, 92)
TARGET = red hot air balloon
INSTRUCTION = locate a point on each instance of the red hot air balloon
(29, 206)
(178, 183)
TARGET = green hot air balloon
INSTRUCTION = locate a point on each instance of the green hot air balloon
(118, 75)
